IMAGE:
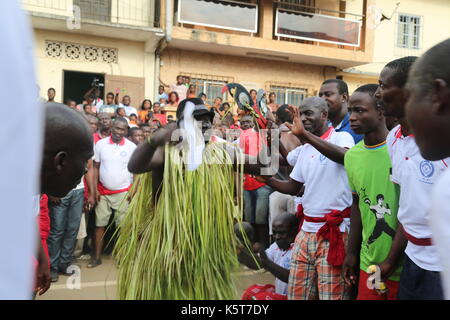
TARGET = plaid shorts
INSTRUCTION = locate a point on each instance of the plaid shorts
(311, 276)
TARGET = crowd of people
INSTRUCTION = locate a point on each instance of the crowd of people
(346, 215)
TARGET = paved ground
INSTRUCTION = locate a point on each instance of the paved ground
(100, 283)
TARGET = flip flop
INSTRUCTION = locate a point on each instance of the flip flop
(94, 262)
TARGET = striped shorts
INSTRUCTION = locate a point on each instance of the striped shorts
(311, 277)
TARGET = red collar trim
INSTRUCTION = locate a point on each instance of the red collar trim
(327, 134)
(399, 133)
(121, 143)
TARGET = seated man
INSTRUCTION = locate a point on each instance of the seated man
(276, 259)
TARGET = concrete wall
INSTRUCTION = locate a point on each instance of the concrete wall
(133, 61)
(435, 28)
(252, 73)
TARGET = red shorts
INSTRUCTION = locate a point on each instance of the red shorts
(364, 293)
(262, 292)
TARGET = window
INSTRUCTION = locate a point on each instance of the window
(286, 95)
(211, 88)
(409, 31)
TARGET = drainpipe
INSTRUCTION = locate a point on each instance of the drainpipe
(163, 43)
(169, 20)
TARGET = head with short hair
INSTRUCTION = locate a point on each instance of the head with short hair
(161, 89)
(136, 135)
(202, 96)
(217, 102)
(392, 89)
(283, 114)
(156, 107)
(119, 129)
(104, 121)
(154, 125)
(314, 114)
(110, 98)
(335, 93)
(51, 94)
(71, 103)
(87, 108)
(133, 117)
(146, 130)
(366, 114)
(68, 146)
(126, 100)
(285, 229)
(247, 122)
(428, 106)
(93, 123)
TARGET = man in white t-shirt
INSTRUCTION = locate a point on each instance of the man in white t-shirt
(428, 113)
(180, 88)
(129, 110)
(420, 278)
(319, 250)
(112, 181)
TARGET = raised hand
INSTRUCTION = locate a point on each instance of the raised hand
(296, 127)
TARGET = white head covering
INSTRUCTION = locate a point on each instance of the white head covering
(192, 134)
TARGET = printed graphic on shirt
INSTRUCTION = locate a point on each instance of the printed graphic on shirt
(380, 209)
(426, 169)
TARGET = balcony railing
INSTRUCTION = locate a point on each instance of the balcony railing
(139, 13)
(222, 14)
(317, 25)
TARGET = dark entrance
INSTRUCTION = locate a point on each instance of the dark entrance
(77, 84)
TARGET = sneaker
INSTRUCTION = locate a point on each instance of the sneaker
(84, 257)
(54, 276)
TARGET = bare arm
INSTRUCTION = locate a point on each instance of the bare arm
(397, 249)
(150, 155)
(329, 150)
(351, 266)
(291, 186)
(95, 180)
(278, 271)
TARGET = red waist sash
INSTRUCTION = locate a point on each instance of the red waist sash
(330, 231)
(417, 241)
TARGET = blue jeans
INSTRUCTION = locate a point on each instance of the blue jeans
(419, 284)
(64, 224)
(256, 205)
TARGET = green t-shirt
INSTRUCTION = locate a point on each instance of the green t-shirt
(368, 170)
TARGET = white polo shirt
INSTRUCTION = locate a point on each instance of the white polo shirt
(292, 160)
(416, 177)
(326, 182)
(113, 159)
(283, 259)
(440, 226)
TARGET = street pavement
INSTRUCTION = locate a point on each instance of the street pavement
(100, 283)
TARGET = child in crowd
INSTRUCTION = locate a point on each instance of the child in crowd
(276, 259)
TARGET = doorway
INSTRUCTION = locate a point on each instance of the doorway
(76, 84)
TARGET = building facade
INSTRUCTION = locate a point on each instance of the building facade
(113, 42)
(288, 47)
(402, 28)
